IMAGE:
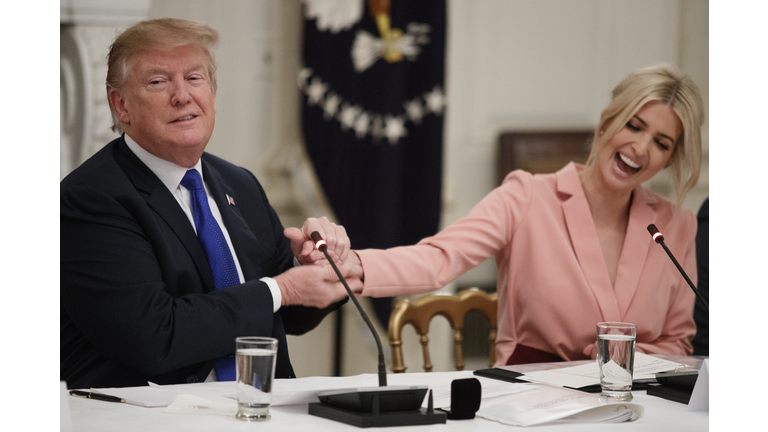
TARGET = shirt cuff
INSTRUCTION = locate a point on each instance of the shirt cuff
(277, 296)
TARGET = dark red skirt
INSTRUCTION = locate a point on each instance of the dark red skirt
(525, 354)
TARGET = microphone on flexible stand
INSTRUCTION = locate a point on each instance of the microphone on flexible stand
(322, 246)
(373, 406)
(659, 238)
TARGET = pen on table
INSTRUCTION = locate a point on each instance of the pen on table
(97, 396)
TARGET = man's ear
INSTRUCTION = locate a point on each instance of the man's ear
(117, 100)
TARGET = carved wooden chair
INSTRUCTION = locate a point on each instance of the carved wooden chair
(454, 307)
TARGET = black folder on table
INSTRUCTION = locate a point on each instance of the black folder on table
(500, 374)
(512, 376)
(674, 386)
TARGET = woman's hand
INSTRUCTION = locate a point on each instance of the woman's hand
(355, 267)
(591, 351)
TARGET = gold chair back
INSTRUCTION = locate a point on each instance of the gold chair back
(454, 307)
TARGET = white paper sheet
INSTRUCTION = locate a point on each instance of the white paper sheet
(560, 379)
(546, 404)
(645, 367)
(189, 404)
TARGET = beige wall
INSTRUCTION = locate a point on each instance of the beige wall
(512, 64)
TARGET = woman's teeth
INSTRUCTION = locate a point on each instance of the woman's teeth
(629, 161)
(626, 165)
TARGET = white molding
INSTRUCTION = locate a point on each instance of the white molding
(103, 12)
(87, 28)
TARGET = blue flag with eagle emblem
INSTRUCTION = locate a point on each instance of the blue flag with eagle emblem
(373, 105)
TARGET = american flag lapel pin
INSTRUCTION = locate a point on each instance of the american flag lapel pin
(230, 200)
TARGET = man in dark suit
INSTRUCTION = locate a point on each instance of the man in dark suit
(139, 298)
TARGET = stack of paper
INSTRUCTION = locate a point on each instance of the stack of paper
(547, 404)
(645, 368)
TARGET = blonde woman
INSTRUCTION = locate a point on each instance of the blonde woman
(572, 248)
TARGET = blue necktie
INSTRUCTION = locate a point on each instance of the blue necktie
(216, 249)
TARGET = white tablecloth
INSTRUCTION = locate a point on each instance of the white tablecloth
(93, 415)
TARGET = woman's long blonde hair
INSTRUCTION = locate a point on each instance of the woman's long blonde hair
(665, 84)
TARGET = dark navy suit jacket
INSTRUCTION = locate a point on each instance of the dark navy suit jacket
(137, 296)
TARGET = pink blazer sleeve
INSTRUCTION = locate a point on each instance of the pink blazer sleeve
(436, 261)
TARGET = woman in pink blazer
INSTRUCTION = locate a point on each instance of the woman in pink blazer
(572, 248)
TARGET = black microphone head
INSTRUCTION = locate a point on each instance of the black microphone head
(319, 242)
(655, 233)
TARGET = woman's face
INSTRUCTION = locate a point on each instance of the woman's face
(641, 148)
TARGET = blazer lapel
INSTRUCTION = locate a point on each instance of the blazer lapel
(244, 241)
(165, 205)
(637, 245)
(581, 229)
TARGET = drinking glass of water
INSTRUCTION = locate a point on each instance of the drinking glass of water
(615, 358)
(256, 358)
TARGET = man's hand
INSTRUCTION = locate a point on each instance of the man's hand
(303, 247)
(316, 286)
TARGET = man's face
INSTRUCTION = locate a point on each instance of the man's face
(167, 104)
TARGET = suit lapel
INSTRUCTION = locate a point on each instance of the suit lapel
(633, 254)
(581, 229)
(243, 239)
(165, 205)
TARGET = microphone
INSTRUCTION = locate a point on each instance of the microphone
(373, 406)
(322, 246)
(659, 238)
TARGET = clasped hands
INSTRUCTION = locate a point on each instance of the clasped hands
(315, 283)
